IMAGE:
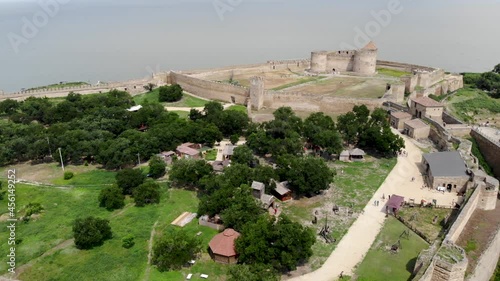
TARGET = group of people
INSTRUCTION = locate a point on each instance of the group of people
(403, 153)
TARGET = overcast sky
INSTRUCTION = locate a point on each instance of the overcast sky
(114, 40)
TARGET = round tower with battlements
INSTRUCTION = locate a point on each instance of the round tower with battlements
(365, 59)
(318, 61)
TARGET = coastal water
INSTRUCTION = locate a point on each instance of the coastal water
(48, 41)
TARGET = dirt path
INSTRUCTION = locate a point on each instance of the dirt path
(355, 244)
(150, 247)
(173, 108)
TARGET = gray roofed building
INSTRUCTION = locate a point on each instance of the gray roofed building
(446, 164)
(446, 169)
(258, 191)
(228, 151)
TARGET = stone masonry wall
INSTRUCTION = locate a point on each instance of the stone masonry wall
(488, 261)
(490, 151)
(211, 90)
(462, 219)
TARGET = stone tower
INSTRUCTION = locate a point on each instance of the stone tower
(257, 92)
(365, 59)
(318, 61)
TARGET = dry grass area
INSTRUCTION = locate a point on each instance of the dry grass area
(345, 86)
(48, 173)
(353, 186)
(429, 221)
(272, 79)
(475, 242)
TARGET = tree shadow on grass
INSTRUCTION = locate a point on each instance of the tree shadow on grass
(410, 266)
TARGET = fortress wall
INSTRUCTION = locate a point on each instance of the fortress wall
(341, 61)
(293, 64)
(211, 90)
(464, 216)
(488, 261)
(311, 102)
(490, 150)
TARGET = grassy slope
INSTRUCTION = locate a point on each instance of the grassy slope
(392, 72)
(380, 264)
(240, 108)
(186, 101)
(55, 86)
(298, 82)
(469, 102)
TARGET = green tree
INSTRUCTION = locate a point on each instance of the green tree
(90, 232)
(254, 272)
(149, 87)
(9, 106)
(195, 114)
(171, 93)
(306, 176)
(156, 167)
(234, 139)
(189, 172)
(242, 155)
(242, 209)
(111, 198)
(175, 248)
(147, 193)
(129, 179)
(282, 244)
(496, 69)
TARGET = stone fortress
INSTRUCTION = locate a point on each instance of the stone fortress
(344, 79)
(363, 61)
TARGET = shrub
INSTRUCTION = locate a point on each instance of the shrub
(33, 208)
(111, 198)
(68, 175)
(128, 241)
(90, 232)
(170, 93)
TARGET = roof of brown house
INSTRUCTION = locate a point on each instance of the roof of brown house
(370, 46)
(167, 153)
(223, 243)
(426, 101)
(281, 188)
(416, 124)
(401, 114)
(187, 150)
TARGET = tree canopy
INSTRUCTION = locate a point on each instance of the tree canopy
(147, 193)
(129, 179)
(188, 172)
(282, 244)
(157, 167)
(174, 248)
(170, 93)
(111, 198)
(90, 232)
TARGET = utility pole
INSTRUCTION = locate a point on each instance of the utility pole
(139, 158)
(50, 151)
(60, 155)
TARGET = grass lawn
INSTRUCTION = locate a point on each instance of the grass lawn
(110, 261)
(392, 72)
(211, 155)
(186, 101)
(241, 108)
(355, 186)
(421, 219)
(298, 82)
(381, 264)
(90, 178)
(182, 114)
